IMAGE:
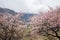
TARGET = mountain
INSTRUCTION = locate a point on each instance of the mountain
(5, 10)
(25, 16)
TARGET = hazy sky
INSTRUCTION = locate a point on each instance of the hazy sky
(31, 6)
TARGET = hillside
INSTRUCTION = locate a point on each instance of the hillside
(25, 16)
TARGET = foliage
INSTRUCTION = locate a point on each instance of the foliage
(47, 23)
(45, 26)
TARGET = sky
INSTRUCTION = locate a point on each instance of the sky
(29, 6)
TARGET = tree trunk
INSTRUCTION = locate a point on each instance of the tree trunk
(58, 37)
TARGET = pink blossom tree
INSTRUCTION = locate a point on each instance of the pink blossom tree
(9, 25)
(47, 23)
